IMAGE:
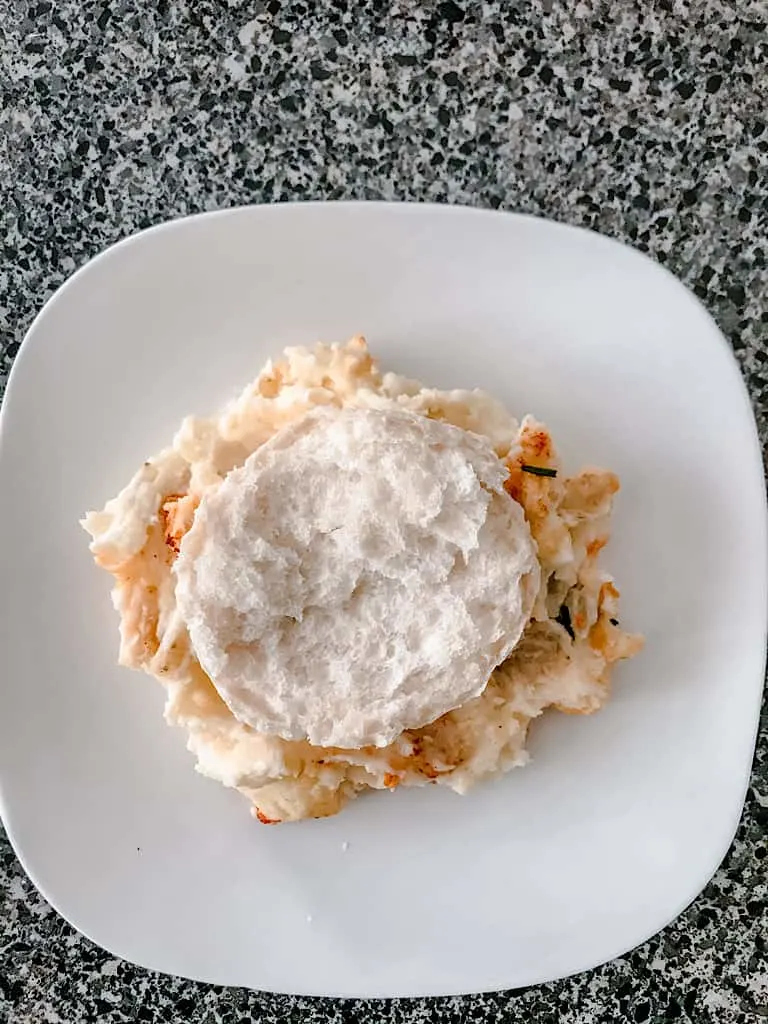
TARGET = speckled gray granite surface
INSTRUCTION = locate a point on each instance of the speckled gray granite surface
(644, 120)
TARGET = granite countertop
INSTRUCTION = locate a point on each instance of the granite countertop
(643, 120)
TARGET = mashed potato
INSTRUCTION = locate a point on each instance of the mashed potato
(563, 659)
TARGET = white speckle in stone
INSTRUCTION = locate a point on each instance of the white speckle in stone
(235, 68)
(16, 890)
(720, 1002)
(514, 112)
(248, 31)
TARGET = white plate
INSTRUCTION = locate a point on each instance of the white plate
(621, 818)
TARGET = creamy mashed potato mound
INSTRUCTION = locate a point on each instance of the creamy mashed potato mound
(563, 660)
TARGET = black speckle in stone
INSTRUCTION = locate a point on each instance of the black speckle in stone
(737, 295)
(319, 72)
(627, 131)
(685, 90)
(705, 276)
(690, 196)
(281, 36)
(405, 60)
(642, 1011)
(451, 11)
(714, 82)
(526, 71)
(103, 19)
(620, 84)
(444, 116)
(290, 103)
(451, 78)
(673, 1010)
(546, 74)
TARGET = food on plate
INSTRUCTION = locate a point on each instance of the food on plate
(347, 581)
(362, 573)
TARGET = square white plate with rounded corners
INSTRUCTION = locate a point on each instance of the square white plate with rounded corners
(620, 819)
